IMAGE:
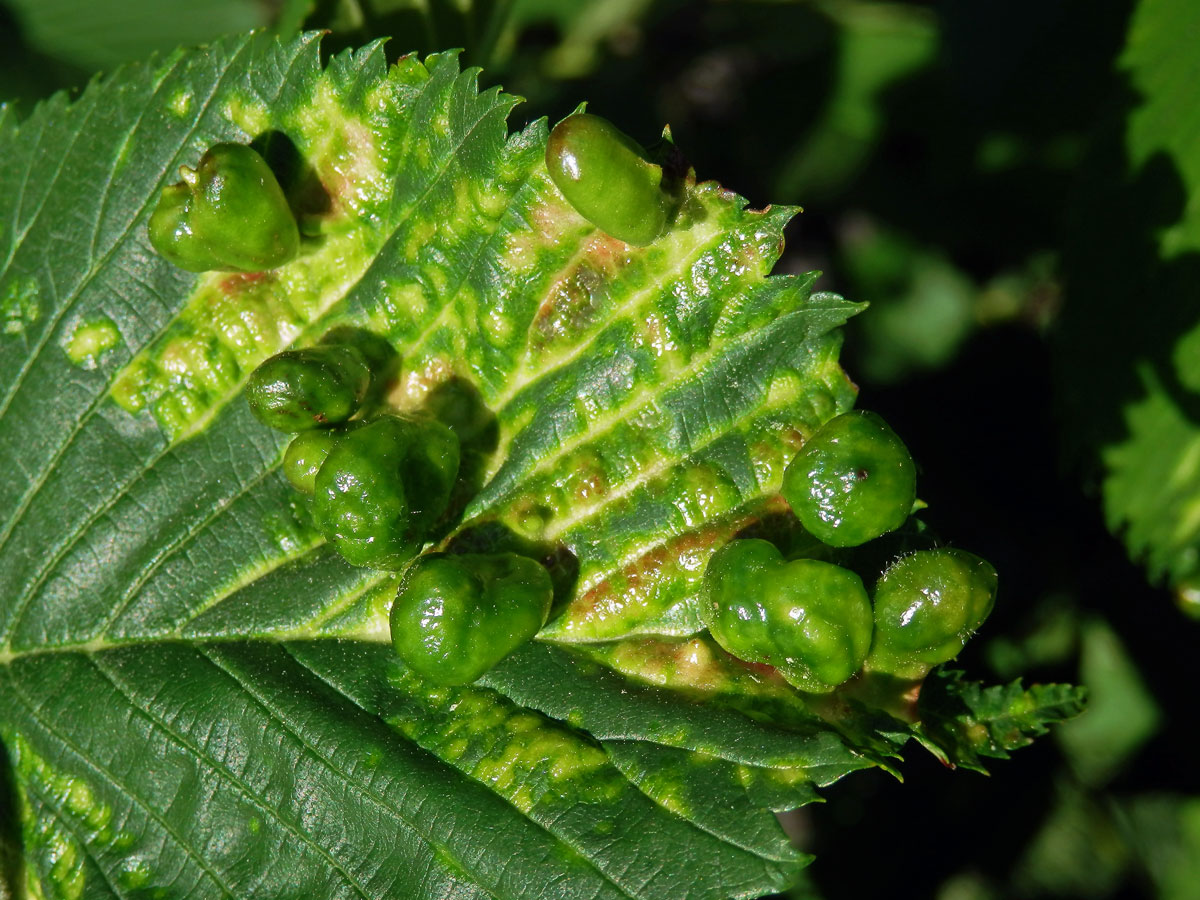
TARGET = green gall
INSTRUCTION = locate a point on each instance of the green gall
(171, 233)
(380, 355)
(809, 619)
(304, 457)
(608, 178)
(457, 616)
(301, 389)
(927, 606)
(853, 481)
(227, 214)
(383, 487)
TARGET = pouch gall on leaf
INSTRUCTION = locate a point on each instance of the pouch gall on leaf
(608, 178)
(809, 619)
(227, 214)
(457, 616)
(383, 487)
(927, 606)
(852, 481)
(297, 390)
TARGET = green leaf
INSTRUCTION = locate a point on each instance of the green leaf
(100, 34)
(1077, 849)
(1129, 377)
(200, 696)
(1123, 713)
(583, 26)
(962, 721)
(878, 46)
(1165, 831)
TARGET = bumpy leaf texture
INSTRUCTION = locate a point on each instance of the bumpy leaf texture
(197, 696)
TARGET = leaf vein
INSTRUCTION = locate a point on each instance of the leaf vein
(128, 139)
(628, 304)
(53, 732)
(367, 791)
(56, 808)
(170, 550)
(225, 772)
(19, 241)
(622, 413)
(35, 488)
(97, 267)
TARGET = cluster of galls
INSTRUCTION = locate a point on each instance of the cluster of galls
(379, 486)
(379, 483)
(852, 482)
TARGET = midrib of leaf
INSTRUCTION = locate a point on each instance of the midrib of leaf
(373, 631)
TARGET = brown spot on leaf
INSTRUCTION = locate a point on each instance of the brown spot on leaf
(237, 282)
(572, 304)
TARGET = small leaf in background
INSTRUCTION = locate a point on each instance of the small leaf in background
(1050, 638)
(1122, 714)
(1165, 829)
(879, 46)
(922, 307)
(584, 28)
(419, 26)
(1078, 850)
(100, 35)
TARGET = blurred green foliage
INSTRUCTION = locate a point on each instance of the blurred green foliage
(1014, 186)
(1132, 259)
